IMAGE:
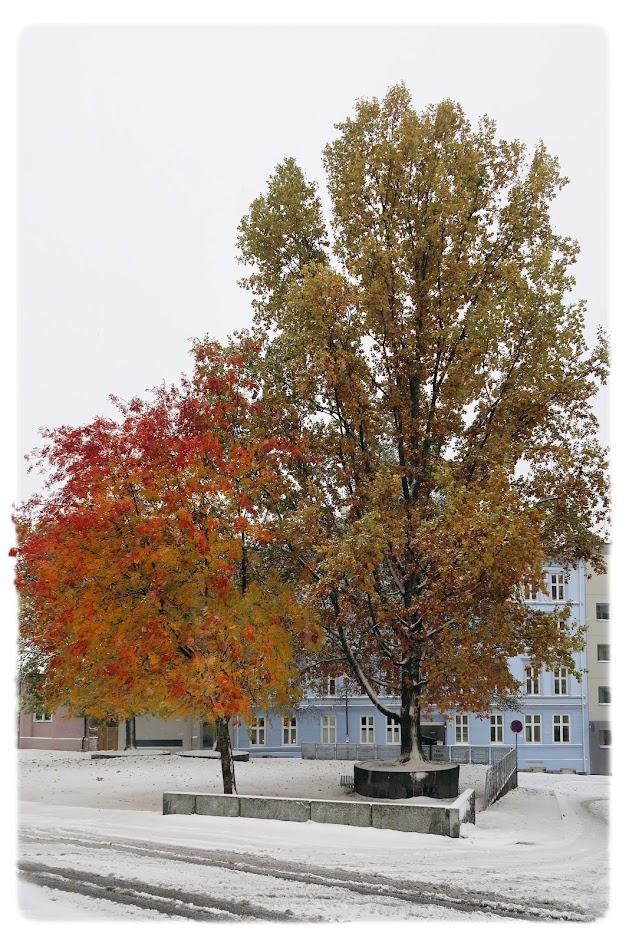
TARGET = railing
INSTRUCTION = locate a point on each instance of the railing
(454, 753)
(349, 751)
(500, 777)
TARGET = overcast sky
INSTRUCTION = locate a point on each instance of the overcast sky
(140, 148)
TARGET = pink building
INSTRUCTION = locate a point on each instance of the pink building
(54, 732)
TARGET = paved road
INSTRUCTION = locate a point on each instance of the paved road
(202, 884)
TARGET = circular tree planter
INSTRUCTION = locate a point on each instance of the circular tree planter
(380, 779)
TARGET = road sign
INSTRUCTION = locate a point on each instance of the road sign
(516, 726)
(592, 728)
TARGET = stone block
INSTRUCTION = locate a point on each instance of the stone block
(179, 803)
(431, 820)
(284, 810)
(331, 812)
(466, 805)
(218, 805)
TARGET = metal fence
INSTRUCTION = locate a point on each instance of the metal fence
(500, 777)
(454, 753)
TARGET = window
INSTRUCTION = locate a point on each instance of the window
(497, 728)
(331, 687)
(560, 681)
(257, 732)
(605, 695)
(561, 728)
(533, 728)
(603, 652)
(328, 728)
(393, 731)
(532, 681)
(530, 595)
(289, 731)
(602, 611)
(42, 717)
(368, 728)
(557, 587)
(604, 738)
(462, 728)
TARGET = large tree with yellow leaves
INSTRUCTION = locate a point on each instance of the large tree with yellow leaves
(427, 338)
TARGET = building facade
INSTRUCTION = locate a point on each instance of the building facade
(598, 650)
(554, 708)
(52, 732)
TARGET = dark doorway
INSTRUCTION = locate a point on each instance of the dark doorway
(209, 736)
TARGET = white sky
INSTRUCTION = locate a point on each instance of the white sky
(140, 148)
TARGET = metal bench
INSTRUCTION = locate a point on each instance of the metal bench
(347, 782)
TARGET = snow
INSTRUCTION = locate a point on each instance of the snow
(137, 780)
(545, 842)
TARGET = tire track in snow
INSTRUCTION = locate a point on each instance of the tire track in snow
(131, 892)
(360, 883)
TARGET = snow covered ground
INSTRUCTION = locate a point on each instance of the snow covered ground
(137, 781)
(541, 851)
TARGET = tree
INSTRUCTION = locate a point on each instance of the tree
(148, 569)
(429, 342)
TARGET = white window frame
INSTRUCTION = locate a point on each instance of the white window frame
(461, 728)
(529, 594)
(558, 583)
(331, 687)
(532, 728)
(368, 728)
(600, 618)
(603, 645)
(394, 731)
(561, 725)
(42, 718)
(603, 734)
(289, 730)
(532, 682)
(257, 732)
(560, 681)
(328, 728)
(497, 728)
(604, 687)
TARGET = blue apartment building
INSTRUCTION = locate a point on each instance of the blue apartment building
(553, 713)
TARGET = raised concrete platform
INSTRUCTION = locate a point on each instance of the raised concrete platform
(428, 819)
(124, 754)
(238, 756)
(382, 779)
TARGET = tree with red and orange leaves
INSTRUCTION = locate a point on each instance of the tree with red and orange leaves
(148, 568)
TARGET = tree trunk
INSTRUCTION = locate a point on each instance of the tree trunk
(410, 717)
(129, 726)
(227, 760)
